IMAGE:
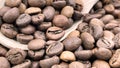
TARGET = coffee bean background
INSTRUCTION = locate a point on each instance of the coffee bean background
(41, 23)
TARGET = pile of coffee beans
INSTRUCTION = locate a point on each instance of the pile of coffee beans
(40, 23)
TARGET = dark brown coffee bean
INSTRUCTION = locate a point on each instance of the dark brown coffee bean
(3, 51)
(100, 64)
(8, 30)
(58, 4)
(24, 39)
(48, 63)
(33, 10)
(88, 40)
(54, 33)
(38, 19)
(77, 15)
(11, 15)
(49, 13)
(71, 3)
(4, 63)
(36, 55)
(35, 64)
(109, 8)
(76, 64)
(114, 61)
(103, 53)
(72, 43)
(3, 10)
(28, 29)
(116, 40)
(67, 56)
(25, 64)
(61, 21)
(16, 56)
(36, 44)
(12, 3)
(54, 49)
(37, 3)
(44, 26)
(105, 43)
(22, 8)
(87, 64)
(40, 35)
(23, 20)
(83, 54)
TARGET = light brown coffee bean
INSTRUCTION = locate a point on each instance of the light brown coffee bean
(109, 8)
(3, 10)
(22, 7)
(12, 3)
(108, 34)
(74, 33)
(76, 64)
(32, 10)
(35, 64)
(3, 51)
(4, 63)
(116, 40)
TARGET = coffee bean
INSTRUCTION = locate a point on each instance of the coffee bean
(74, 33)
(48, 63)
(98, 5)
(67, 56)
(11, 15)
(25, 64)
(24, 39)
(3, 10)
(32, 10)
(49, 2)
(71, 3)
(4, 63)
(76, 64)
(116, 40)
(40, 35)
(36, 44)
(116, 30)
(79, 5)
(44, 26)
(54, 49)
(64, 65)
(87, 64)
(22, 8)
(49, 13)
(58, 4)
(25, 2)
(37, 3)
(88, 40)
(56, 66)
(72, 43)
(28, 29)
(83, 54)
(54, 33)
(67, 11)
(8, 30)
(36, 55)
(114, 61)
(100, 64)
(108, 34)
(16, 56)
(38, 19)
(100, 11)
(35, 64)
(3, 51)
(103, 53)
(12, 3)
(77, 15)
(23, 20)
(116, 13)
(109, 8)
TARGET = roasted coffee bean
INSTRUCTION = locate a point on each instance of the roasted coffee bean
(98, 5)
(108, 34)
(61, 21)
(49, 2)
(8, 30)
(11, 15)
(72, 43)
(100, 11)
(87, 64)
(16, 56)
(109, 8)
(3, 51)
(100, 64)
(25, 2)
(88, 40)
(36, 44)
(37, 3)
(48, 63)
(44, 26)
(103, 53)
(22, 8)
(77, 15)
(116, 30)
(4, 63)
(35, 64)
(79, 5)
(38, 19)
(3, 10)
(28, 29)
(54, 33)
(32, 10)
(23, 20)
(36, 55)
(74, 33)
(71, 3)
(76, 64)
(25, 64)
(24, 39)
(12, 3)
(58, 4)
(67, 11)
(114, 61)
(67, 56)
(56, 66)
(40, 35)
(116, 13)
(54, 49)
(49, 13)
(116, 40)
(64, 65)
(105, 43)
(83, 54)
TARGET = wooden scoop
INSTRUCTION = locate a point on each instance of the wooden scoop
(10, 43)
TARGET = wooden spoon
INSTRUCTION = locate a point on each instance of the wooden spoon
(9, 43)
